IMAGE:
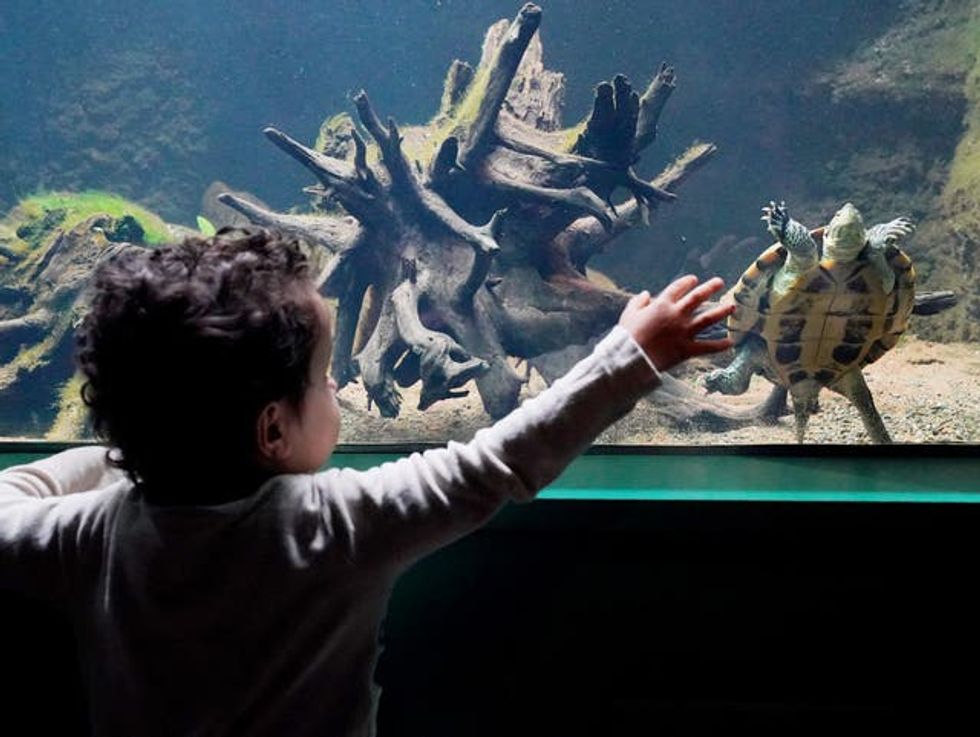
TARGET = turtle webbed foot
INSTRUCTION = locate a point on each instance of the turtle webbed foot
(887, 234)
(726, 381)
(776, 219)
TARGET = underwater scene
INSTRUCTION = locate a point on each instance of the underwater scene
(482, 186)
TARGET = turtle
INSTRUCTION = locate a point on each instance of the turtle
(818, 306)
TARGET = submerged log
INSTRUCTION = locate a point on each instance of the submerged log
(450, 248)
(472, 234)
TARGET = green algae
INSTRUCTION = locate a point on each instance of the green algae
(964, 174)
(570, 136)
(206, 226)
(39, 214)
(72, 419)
(334, 136)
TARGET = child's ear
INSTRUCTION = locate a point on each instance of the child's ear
(271, 437)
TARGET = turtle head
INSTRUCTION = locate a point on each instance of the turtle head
(844, 236)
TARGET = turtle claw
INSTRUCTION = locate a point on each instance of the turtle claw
(776, 218)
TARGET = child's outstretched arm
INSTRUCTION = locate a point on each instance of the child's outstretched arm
(69, 472)
(392, 514)
(36, 526)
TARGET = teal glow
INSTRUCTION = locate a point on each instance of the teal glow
(895, 477)
(703, 495)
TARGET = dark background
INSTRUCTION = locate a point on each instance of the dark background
(663, 618)
(157, 100)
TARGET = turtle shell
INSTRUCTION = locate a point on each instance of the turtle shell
(834, 318)
(899, 304)
(753, 292)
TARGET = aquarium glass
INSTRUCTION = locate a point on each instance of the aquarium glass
(481, 186)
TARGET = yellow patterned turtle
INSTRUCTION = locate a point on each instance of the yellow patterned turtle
(817, 307)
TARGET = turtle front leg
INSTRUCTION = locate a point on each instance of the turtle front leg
(880, 238)
(803, 252)
(853, 386)
(735, 378)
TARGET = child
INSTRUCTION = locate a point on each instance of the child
(218, 583)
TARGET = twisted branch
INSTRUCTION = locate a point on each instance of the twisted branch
(389, 143)
(27, 328)
(420, 215)
(346, 279)
(578, 165)
(501, 73)
(651, 105)
(482, 261)
(444, 365)
(335, 234)
(376, 359)
(408, 184)
(584, 238)
(577, 198)
(341, 181)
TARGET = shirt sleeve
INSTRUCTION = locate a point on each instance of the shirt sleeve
(45, 512)
(398, 511)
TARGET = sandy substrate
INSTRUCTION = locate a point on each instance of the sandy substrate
(926, 393)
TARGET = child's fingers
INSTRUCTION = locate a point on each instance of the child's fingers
(699, 295)
(641, 300)
(637, 302)
(679, 287)
(710, 317)
(700, 347)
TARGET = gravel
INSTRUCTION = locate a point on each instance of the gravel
(926, 393)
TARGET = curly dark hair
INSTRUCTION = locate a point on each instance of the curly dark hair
(185, 344)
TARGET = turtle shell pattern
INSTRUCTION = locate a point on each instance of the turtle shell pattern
(834, 318)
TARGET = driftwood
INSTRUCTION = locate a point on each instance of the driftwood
(450, 248)
(462, 243)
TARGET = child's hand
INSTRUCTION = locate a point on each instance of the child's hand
(665, 325)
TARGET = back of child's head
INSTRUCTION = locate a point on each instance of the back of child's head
(185, 344)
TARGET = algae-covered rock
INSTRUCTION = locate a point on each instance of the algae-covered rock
(35, 218)
(957, 223)
(72, 420)
(52, 244)
(925, 54)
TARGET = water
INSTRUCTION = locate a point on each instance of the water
(814, 103)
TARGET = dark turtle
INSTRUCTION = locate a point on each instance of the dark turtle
(817, 307)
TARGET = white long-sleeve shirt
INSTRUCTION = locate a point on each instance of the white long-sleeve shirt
(261, 616)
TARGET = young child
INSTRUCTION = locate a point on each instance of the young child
(218, 583)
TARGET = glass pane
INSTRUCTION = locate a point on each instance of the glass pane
(475, 247)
